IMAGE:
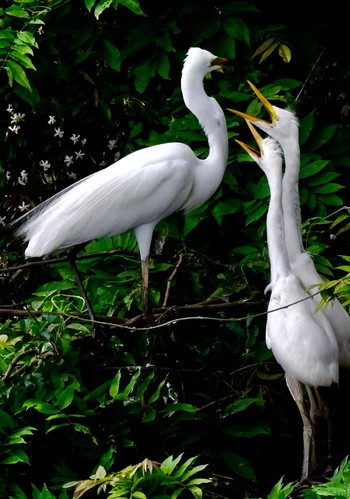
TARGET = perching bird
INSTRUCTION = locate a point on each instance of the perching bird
(300, 337)
(141, 189)
(284, 127)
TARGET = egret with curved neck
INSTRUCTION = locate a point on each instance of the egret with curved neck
(141, 189)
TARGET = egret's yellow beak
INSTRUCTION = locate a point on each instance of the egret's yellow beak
(258, 138)
(267, 105)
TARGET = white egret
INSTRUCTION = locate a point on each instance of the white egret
(284, 127)
(300, 337)
(141, 189)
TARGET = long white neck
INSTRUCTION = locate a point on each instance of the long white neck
(279, 262)
(291, 199)
(212, 119)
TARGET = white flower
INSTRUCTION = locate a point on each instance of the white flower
(68, 160)
(112, 144)
(45, 164)
(24, 207)
(23, 179)
(58, 132)
(75, 138)
(52, 120)
(79, 154)
(40, 30)
(2, 221)
(8, 175)
(83, 142)
(72, 175)
(14, 128)
(9, 108)
(17, 117)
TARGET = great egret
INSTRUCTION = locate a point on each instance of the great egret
(284, 127)
(141, 189)
(301, 338)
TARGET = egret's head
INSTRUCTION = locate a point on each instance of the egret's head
(283, 123)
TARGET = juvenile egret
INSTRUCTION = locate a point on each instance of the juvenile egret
(301, 338)
(141, 189)
(284, 127)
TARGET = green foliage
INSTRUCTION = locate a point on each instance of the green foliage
(337, 486)
(147, 479)
(82, 84)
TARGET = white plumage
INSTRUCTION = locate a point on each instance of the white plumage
(300, 337)
(141, 189)
(284, 127)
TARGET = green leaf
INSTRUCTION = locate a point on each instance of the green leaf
(89, 4)
(163, 65)
(143, 73)
(149, 415)
(156, 394)
(17, 456)
(17, 74)
(331, 199)
(328, 188)
(114, 387)
(321, 137)
(65, 398)
(16, 11)
(323, 178)
(132, 5)
(112, 55)
(130, 386)
(138, 495)
(27, 38)
(42, 407)
(101, 6)
(180, 407)
(144, 385)
(6, 420)
(239, 465)
(98, 392)
(192, 472)
(17, 436)
(236, 28)
(169, 464)
(257, 214)
(23, 59)
(285, 52)
(241, 405)
(312, 168)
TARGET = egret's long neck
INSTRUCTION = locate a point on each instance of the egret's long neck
(290, 199)
(212, 119)
(279, 263)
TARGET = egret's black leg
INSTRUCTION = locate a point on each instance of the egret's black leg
(72, 259)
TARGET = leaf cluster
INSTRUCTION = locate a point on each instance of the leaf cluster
(84, 83)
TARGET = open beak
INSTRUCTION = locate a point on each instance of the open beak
(258, 139)
(267, 105)
(222, 62)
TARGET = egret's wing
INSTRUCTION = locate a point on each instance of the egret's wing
(301, 339)
(144, 187)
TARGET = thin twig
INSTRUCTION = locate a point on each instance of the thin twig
(15, 361)
(171, 278)
(309, 75)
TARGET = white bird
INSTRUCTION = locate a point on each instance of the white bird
(141, 189)
(284, 127)
(300, 337)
